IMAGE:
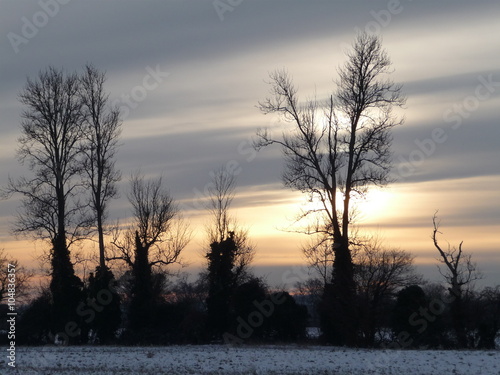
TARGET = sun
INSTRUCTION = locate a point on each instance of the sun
(374, 204)
(370, 208)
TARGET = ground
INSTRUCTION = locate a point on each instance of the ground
(226, 360)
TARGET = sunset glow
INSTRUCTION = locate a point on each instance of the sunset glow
(199, 112)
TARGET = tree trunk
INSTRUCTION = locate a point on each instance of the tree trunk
(338, 307)
(100, 233)
(66, 289)
(142, 302)
(457, 311)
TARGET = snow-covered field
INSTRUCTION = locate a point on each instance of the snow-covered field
(248, 360)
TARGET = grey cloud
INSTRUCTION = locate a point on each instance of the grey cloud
(453, 86)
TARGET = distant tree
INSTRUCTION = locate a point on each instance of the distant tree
(309, 293)
(155, 240)
(379, 273)
(229, 256)
(487, 317)
(221, 284)
(320, 257)
(346, 152)
(192, 292)
(52, 209)
(223, 225)
(288, 321)
(243, 304)
(22, 278)
(410, 301)
(188, 300)
(459, 273)
(34, 327)
(105, 319)
(102, 129)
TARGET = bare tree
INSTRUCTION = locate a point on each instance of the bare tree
(223, 225)
(157, 230)
(341, 146)
(22, 278)
(156, 238)
(383, 270)
(459, 272)
(229, 255)
(51, 146)
(102, 129)
(221, 192)
(320, 257)
(379, 273)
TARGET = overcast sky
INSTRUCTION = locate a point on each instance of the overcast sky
(188, 76)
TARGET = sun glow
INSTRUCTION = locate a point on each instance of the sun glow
(367, 208)
(374, 205)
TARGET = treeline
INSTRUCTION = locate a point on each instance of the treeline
(69, 138)
(227, 304)
(362, 294)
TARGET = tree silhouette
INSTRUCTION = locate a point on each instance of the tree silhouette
(243, 303)
(346, 151)
(155, 240)
(410, 301)
(379, 273)
(289, 319)
(223, 225)
(35, 322)
(106, 318)
(51, 145)
(221, 284)
(229, 256)
(102, 129)
(487, 317)
(23, 277)
(459, 272)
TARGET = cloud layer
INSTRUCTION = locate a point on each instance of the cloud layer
(203, 114)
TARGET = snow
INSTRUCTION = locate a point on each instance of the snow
(256, 360)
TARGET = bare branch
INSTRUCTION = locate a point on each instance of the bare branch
(157, 228)
(346, 150)
(459, 269)
(102, 129)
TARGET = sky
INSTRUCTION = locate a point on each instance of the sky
(188, 76)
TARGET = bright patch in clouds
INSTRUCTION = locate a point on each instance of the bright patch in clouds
(375, 205)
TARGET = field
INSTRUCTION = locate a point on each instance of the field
(225, 360)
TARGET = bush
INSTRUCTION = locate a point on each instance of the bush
(289, 320)
(35, 323)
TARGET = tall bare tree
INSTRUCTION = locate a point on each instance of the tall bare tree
(340, 146)
(223, 225)
(102, 129)
(459, 272)
(51, 145)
